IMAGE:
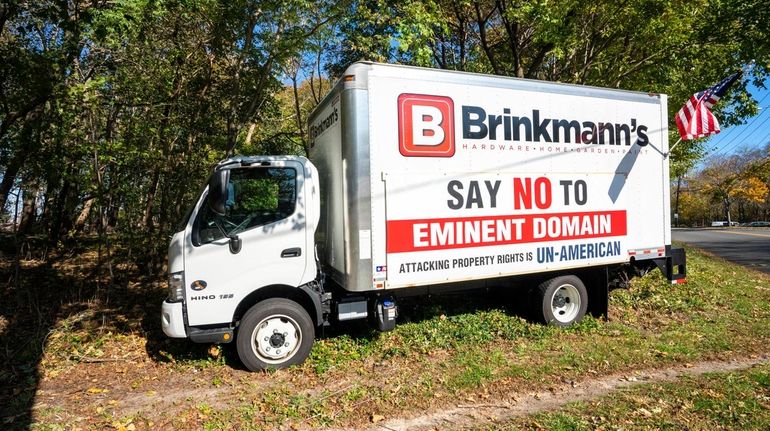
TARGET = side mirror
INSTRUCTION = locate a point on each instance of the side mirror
(218, 191)
(235, 244)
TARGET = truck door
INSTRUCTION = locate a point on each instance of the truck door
(266, 209)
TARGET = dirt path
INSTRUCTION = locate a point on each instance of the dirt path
(479, 414)
(145, 388)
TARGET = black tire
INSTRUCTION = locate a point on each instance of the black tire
(280, 324)
(554, 301)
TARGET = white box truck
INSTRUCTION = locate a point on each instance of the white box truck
(418, 181)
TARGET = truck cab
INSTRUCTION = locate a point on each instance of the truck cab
(249, 237)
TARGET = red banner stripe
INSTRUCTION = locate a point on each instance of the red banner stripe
(449, 233)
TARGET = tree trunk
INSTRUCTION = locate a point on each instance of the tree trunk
(80, 222)
(29, 208)
(62, 217)
(9, 176)
(676, 206)
(49, 201)
(58, 214)
(147, 221)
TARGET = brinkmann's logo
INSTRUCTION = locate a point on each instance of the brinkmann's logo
(426, 127)
(477, 124)
(321, 126)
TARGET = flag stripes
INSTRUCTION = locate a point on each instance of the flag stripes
(695, 119)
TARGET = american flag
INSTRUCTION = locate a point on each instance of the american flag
(695, 119)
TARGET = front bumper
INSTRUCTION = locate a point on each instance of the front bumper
(172, 318)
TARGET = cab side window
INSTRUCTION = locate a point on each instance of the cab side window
(256, 197)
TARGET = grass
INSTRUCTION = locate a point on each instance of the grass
(443, 350)
(452, 354)
(710, 314)
(716, 401)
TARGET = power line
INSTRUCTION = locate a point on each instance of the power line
(737, 142)
(765, 139)
(726, 143)
(747, 127)
(729, 132)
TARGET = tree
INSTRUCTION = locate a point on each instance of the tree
(110, 111)
(131, 102)
(694, 208)
(736, 181)
(677, 47)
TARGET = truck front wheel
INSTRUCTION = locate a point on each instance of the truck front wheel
(274, 333)
(561, 301)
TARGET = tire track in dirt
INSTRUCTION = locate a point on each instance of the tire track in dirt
(480, 414)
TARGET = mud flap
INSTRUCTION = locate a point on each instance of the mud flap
(674, 265)
(598, 293)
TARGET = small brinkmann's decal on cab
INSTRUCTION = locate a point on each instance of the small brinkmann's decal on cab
(198, 285)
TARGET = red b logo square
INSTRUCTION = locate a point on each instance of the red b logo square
(425, 126)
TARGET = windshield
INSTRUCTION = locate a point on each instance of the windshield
(256, 197)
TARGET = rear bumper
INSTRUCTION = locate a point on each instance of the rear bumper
(676, 266)
(673, 265)
(172, 319)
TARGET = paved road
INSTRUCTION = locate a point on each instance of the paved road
(749, 247)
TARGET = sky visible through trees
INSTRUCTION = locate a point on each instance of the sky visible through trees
(754, 132)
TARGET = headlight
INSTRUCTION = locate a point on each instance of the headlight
(176, 287)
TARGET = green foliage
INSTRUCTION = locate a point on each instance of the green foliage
(112, 112)
(115, 111)
(672, 47)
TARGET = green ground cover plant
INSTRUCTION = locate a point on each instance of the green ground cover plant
(108, 364)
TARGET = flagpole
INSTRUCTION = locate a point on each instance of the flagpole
(673, 146)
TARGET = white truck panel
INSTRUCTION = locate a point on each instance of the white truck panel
(470, 177)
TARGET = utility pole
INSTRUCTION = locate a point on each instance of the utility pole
(676, 204)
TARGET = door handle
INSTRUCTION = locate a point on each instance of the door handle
(292, 252)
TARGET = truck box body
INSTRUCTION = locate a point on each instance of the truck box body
(431, 177)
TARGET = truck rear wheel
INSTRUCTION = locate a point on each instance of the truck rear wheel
(561, 301)
(275, 333)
